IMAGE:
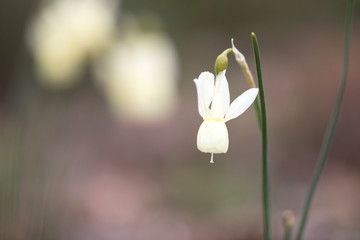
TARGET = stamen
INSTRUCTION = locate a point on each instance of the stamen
(212, 158)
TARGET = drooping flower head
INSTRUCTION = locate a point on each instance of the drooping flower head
(215, 108)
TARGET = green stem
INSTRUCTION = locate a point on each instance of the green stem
(265, 167)
(257, 112)
(330, 130)
(287, 235)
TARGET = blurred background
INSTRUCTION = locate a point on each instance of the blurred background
(98, 119)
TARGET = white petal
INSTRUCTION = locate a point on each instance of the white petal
(206, 84)
(241, 103)
(205, 91)
(196, 81)
(221, 98)
(213, 137)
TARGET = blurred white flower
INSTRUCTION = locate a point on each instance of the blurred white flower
(139, 77)
(213, 135)
(66, 33)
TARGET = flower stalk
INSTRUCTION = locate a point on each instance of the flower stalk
(330, 130)
(265, 163)
(240, 59)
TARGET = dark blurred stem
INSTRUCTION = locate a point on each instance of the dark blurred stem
(287, 235)
(330, 130)
(265, 167)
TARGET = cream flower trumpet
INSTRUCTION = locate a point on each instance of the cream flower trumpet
(213, 135)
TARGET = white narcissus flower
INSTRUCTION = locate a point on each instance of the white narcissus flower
(213, 135)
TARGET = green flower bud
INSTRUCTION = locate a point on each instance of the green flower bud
(288, 219)
(221, 63)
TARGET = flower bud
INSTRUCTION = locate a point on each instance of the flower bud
(288, 219)
(221, 63)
